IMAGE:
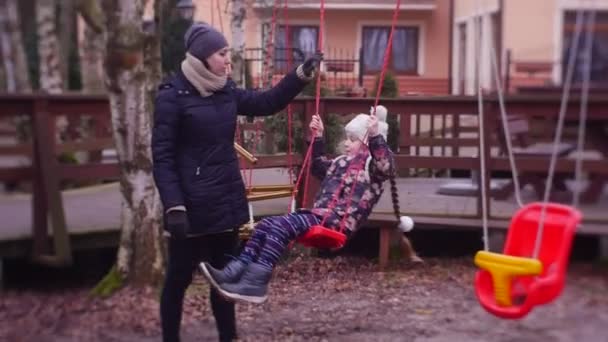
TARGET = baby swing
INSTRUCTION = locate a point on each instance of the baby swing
(531, 270)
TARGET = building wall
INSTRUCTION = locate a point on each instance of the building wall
(343, 30)
(532, 32)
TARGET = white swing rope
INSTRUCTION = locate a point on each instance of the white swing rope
(560, 125)
(505, 124)
(587, 62)
(482, 145)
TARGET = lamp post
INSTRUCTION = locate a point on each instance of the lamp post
(185, 8)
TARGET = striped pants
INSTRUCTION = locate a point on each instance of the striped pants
(272, 235)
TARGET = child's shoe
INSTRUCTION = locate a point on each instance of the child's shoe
(252, 287)
(231, 273)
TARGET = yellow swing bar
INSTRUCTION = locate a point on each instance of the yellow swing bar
(502, 268)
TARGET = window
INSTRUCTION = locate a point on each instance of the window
(404, 56)
(599, 49)
(303, 43)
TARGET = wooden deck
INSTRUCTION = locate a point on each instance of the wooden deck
(93, 214)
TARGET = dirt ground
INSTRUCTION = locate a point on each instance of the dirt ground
(318, 299)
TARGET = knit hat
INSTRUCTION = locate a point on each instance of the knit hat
(358, 125)
(203, 41)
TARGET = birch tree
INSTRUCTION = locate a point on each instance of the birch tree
(66, 37)
(140, 256)
(14, 62)
(237, 19)
(90, 53)
(51, 80)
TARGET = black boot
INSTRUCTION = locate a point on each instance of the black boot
(252, 287)
(231, 273)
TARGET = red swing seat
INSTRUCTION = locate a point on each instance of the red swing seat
(321, 237)
(560, 225)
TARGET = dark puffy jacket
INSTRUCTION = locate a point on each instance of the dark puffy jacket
(195, 163)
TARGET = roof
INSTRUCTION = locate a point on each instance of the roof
(356, 4)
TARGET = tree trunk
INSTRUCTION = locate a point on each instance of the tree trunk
(66, 38)
(238, 41)
(140, 256)
(51, 79)
(2, 73)
(13, 50)
(91, 59)
(91, 45)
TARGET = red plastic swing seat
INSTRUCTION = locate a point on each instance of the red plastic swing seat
(324, 238)
(560, 225)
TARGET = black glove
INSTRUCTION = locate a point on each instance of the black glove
(312, 63)
(177, 224)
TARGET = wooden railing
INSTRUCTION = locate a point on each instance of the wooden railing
(438, 133)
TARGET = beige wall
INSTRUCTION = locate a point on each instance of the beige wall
(343, 31)
(467, 8)
(207, 11)
(532, 32)
(529, 28)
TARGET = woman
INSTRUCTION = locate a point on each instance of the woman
(196, 168)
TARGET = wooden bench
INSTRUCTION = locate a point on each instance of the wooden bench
(519, 129)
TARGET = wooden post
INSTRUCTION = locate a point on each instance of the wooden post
(603, 247)
(455, 134)
(385, 235)
(1, 274)
(46, 165)
(487, 111)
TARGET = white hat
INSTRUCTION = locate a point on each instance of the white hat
(358, 125)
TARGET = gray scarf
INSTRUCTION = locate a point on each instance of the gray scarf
(201, 78)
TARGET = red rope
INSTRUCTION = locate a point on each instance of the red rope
(318, 89)
(289, 108)
(387, 54)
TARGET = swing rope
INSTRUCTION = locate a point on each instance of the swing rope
(289, 56)
(588, 58)
(317, 98)
(482, 153)
(560, 126)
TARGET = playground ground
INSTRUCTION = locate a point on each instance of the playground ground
(321, 299)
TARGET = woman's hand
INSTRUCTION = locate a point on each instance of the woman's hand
(311, 65)
(316, 126)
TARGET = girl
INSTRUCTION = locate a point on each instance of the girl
(358, 175)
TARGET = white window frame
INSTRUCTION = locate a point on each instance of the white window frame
(469, 22)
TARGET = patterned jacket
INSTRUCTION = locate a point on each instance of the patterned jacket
(340, 174)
